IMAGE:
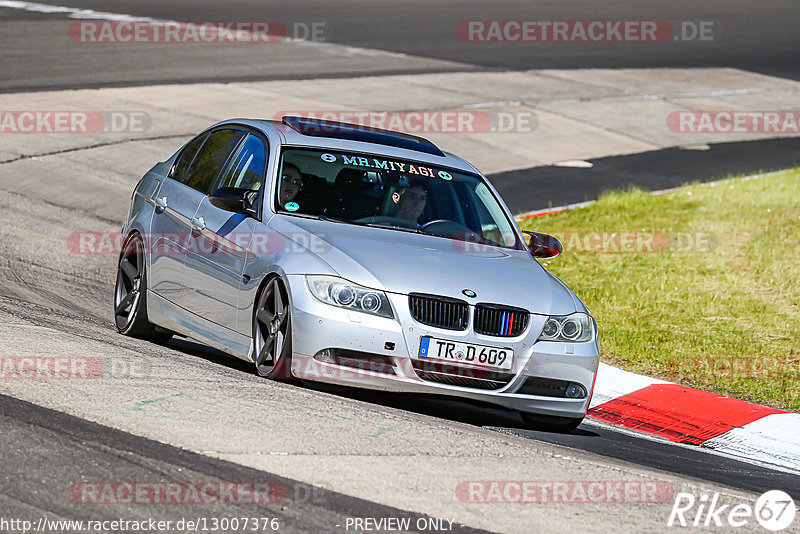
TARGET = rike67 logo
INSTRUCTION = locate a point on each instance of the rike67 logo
(774, 510)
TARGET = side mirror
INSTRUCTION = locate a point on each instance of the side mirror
(543, 246)
(232, 199)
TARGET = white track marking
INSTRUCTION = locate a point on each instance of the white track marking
(774, 439)
(612, 383)
(574, 163)
(90, 14)
(766, 462)
(71, 12)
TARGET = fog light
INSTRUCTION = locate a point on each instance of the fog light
(575, 391)
(325, 356)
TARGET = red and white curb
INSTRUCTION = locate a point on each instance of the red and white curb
(694, 417)
(691, 416)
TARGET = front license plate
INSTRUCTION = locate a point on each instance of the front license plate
(466, 353)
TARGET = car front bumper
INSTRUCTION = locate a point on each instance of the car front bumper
(317, 326)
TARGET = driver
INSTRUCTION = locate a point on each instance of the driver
(410, 202)
(291, 183)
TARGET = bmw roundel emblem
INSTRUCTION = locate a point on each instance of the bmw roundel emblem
(470, 293)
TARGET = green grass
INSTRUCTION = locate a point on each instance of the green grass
(724, 316)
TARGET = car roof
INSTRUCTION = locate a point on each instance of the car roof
(291, 136)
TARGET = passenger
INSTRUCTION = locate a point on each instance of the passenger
(291, 183)
(410, 203)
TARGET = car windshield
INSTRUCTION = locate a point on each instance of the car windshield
(385, 192)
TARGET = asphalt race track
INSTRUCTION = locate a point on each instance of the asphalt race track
(184, 412)
(764, 42)
(542, 187)
(60, 437)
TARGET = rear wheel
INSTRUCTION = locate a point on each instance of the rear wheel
(551, 423)
(130, 295)
(272, 332)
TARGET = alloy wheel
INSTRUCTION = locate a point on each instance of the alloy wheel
(129, 284)
(272, 329)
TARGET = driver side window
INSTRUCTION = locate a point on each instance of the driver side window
(246, 169)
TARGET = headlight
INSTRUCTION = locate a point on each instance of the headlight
(574, 328)
(344, 294)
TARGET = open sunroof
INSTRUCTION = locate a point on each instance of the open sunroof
(354, 132)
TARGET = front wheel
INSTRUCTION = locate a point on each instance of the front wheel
(551, 423)
(272, 332)
(130, 295)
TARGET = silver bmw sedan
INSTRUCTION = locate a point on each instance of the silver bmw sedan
(361, 257)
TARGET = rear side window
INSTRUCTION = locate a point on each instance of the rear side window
(246, 169)
(210, 158)
(187, 156)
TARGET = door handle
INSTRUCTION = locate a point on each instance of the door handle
(161, 204)
(198, 224)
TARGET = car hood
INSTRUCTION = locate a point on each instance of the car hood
(405, 262)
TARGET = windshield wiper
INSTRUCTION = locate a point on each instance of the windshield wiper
(332, 219)
(316, 217)
(392, 227)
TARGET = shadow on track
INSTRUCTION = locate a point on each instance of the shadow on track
(602, 440)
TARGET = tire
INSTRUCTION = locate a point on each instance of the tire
(272, 332)
(551, 423)
(130, 295)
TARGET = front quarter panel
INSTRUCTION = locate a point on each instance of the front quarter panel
(272, 252)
